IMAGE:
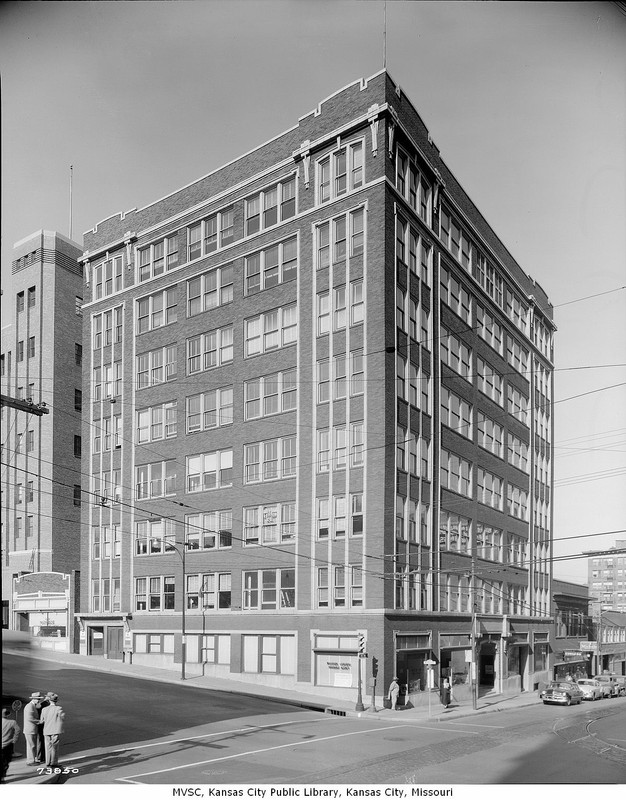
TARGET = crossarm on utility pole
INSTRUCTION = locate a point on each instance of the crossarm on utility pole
(24, 405)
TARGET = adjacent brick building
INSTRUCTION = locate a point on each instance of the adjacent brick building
(318, 395)
(41, 455)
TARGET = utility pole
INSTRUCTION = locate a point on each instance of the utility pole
(473, 665)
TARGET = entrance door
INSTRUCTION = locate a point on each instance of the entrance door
(96, 641)
(487, 672)
(115, 641)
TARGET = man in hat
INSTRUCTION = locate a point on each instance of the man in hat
(32, 729)
(392, 694)
(52, 718)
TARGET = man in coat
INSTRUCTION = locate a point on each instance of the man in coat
(52, 717)
(32, 729)
(10, 735)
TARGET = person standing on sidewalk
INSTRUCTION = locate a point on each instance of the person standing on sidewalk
(392, 694)
(33, 730)
(446, 692)
(10, 735)
(52, 717)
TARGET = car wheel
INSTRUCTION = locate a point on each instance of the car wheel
(568, 702)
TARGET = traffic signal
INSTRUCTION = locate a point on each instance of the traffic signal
(361, 645)
(374, 666)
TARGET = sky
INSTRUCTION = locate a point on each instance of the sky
(526, 102)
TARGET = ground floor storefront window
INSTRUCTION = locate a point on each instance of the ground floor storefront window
(336, 660)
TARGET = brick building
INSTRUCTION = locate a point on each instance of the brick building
(318, 408)
(607, 577)
(574, 633)
(41, 455)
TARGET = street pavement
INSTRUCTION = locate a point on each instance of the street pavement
(20, 773)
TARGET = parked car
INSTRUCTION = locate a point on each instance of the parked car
(621, 684)
(563, 692)
(591, 689)
(609, 684)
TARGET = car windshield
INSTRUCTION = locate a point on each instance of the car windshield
(585, 682)
(562, 685)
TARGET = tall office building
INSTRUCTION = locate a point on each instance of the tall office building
(607, 578)
(41, 455)
(319, 414)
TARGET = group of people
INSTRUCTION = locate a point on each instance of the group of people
(43, 726)
(445, 693)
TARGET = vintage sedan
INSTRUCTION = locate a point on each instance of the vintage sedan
(563, 692)
(591, 689)
(609, 685)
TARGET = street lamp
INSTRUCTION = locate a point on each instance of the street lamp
(183, 648)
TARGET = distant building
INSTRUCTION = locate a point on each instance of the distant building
(607, 577)
(41, 455)
(319, 389)
(574, 633)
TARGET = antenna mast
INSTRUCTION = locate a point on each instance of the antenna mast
(385, 36)
(71, 175)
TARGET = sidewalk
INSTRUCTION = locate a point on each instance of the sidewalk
(20, 773)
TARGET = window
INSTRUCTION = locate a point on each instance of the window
(339, 311)
(270, 460)
(337, 439)
(517, 404)
(32, 296)
(490, 435)
(30, 441)
(517, 355)
(456, 413)
(340, 172)
(77, 495)
(271, 266)
(107, 487)
(517, 311)
(78, 354)
(156, 422)
(343, 381)
(157, 310)
(31, 347)
(413, 186)
(211, 409)
(19, 302)
(208, 350)
(212, 530)
(487, 277)
(490, 489)
(456, 473)
(489, 329)
(517, 453)
(270, 394)
(337, 237)
(272, 205)
(455, 533)
(339, 587)
(271, 330)
(158, 257)
(269, 589)
(77, 447)
(213, 289)
(155, 480)
(517, 550)
(154, 536)
(107, 381)
(339, 514)
(156, 366)
(107, 328)
(108, 434)
(155, 594)
(20, 351)
(269, 524)
(517, 501)
(211, 233)
(78, 306)
(107, 278)
(210, 592)
(455, 295)
(488, 542)
(456, 354)
(209, 471)
(489, 381)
